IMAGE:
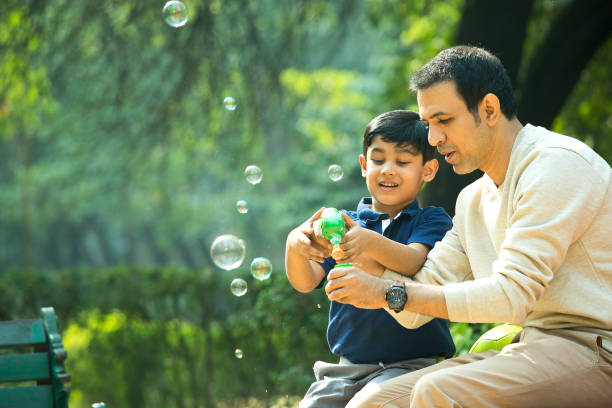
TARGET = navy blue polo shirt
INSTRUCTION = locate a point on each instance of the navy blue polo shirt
(368, 336)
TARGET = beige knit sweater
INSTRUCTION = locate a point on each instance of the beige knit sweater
(537, 251)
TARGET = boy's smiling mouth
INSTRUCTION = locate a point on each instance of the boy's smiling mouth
(387, 185)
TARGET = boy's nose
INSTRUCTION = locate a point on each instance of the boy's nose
(388, 168)
(435, 136)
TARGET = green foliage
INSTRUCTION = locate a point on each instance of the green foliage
(587, 114)
(167, 336)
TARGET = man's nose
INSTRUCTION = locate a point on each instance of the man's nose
(435, 136)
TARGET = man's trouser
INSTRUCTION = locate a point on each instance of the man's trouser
(545, 368)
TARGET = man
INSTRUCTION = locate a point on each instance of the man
(530, 245)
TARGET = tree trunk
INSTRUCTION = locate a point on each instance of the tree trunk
(580, 30)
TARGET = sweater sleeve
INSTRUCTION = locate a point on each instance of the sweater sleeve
(446, 263)
(557, 193)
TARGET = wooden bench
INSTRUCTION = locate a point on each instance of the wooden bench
(32, 372)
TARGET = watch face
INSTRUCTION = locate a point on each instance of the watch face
(396, 297)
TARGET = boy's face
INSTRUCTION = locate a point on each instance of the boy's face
(394, 175)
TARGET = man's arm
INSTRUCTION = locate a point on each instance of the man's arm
(354, 286)
(446, 263)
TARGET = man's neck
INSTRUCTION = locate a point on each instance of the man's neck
(504, 138)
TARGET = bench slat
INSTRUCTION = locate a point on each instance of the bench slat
(21, 332)
(26, 397)
(24, 367)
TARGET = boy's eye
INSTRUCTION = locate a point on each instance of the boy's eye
(443, 121)
(403, 163)
(377, 161)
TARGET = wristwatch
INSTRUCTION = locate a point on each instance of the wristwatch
(397, 296)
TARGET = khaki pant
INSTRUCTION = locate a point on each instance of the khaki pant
(545, 368)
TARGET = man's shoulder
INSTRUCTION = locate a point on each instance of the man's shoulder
(541, 148)
(536, 140)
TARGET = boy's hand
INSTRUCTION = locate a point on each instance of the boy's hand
(302, 240)
(355, 241)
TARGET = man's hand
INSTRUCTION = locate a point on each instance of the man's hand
(356, 287)
(303, 241)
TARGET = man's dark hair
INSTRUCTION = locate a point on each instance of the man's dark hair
(402, 127)
(475, 71)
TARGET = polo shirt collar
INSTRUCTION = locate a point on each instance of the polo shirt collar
(370, 217)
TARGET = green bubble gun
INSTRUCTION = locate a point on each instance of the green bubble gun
(332, 228)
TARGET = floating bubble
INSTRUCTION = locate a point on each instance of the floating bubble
(175, 13)
(238, 353)
(227, 251)
(229, 103)
(253, 174)
(239, 287)
(261, 268)
(335, 172)
(242, 206)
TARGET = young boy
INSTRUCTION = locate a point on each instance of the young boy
(390, 228)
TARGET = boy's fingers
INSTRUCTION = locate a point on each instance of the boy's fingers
(348, 220)
(316, 215)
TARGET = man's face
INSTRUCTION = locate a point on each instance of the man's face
(464, 144)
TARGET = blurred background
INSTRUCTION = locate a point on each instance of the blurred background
(121, 161)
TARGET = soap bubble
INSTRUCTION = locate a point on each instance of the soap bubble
(238, 353)
(229, 103)
(242, 206)
(253, 174)
(335, 172)
(239, 287)
(227, 251)
(261, 268)
(175, 13)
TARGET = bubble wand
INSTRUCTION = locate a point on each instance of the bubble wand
(332, 228)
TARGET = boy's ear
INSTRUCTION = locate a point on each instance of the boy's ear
(363, 162)
(430, 169)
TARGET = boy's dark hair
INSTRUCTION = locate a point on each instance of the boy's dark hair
(475, 71)
(401, 127)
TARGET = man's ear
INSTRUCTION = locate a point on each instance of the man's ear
(490, 109)
(363, 162)
(430, 169)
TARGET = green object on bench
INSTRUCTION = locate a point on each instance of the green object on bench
(496, 338)
(31, 351)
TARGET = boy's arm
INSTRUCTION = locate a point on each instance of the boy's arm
(405, 259)
(303, 273)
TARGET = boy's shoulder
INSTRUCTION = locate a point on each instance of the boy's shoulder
(433, 211)
(430, 217)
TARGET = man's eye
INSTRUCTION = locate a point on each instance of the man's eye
(443, 121)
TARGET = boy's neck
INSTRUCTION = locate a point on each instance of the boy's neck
(392, 213)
